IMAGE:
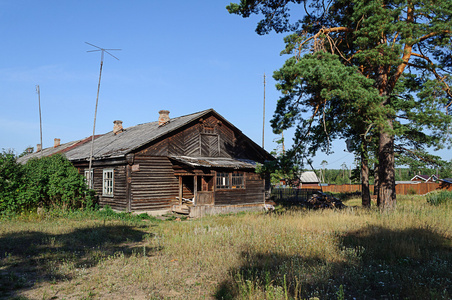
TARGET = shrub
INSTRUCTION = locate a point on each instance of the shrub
(45, 182)
(411, 191)
(439, 198)
(53, 181)
(11, 174)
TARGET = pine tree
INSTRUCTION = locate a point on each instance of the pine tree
(374, 71)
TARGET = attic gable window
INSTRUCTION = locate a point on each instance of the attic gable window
(208, 129)
(107, 182)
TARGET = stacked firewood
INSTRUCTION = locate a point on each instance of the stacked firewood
(322, 200)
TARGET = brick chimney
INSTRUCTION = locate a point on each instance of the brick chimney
(56, 142)
(117, 127)
(38, 147)
(163, 117)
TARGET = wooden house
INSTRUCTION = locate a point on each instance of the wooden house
(197, 164)
(424, 178)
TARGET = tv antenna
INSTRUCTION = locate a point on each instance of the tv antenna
(263, 118)
(102, 50)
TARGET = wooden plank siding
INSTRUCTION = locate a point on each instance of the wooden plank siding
(253, 193)
(154, 186)
(118, 200)
(192, 141)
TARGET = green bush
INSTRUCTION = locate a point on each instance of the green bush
(45, 182)
(439, 198)
(11, 175)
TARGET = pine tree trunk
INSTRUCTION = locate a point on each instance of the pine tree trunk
(386, 177)
(376, 181)
(365, 192)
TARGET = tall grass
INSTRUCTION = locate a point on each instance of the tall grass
(294, 254)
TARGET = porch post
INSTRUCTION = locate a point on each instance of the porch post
(180, 190)
(195, 192)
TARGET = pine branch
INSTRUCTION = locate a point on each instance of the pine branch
(446, 88)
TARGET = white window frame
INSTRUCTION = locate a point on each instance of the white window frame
(108, 182)
(91, 178)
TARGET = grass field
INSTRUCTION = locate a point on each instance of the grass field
(289, 254)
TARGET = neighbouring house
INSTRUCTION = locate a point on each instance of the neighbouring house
(196, 164)
(446, 180)
(407, 182)
(425, 178)
(445, 183)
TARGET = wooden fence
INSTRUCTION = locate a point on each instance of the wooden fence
(401, 189)
(290, 195)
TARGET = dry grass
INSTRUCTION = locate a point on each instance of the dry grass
(292, 254)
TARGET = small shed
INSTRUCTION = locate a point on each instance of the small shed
(308, 179)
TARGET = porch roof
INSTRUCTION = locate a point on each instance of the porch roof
(215, 162)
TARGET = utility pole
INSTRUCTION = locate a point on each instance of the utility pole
(263, 124)
(38, 91)
(102, 50)
(283, 147)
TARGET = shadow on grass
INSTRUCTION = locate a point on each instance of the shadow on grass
(374, 263)
(28, 257)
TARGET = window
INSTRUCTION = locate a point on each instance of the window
(230, 181)
(223, 181)
(89, 183)
(238, 181)
(108, 180)
(209, 129)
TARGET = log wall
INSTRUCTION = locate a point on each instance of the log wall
(253, 193)
(118, 200)
(154, 186)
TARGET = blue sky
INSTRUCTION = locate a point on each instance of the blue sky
(183, 56)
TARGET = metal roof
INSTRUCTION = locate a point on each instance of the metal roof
(216, 162)
(309, 176)
(112, 145)
(52, 150)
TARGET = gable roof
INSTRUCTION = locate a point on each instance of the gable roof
(424, 178)
(132, 138)
(309, 176)
(446, 180)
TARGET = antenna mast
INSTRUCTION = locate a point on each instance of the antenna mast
(102, 50)
(38, 91)
(263, 118)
